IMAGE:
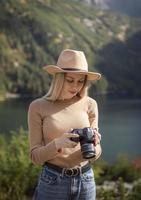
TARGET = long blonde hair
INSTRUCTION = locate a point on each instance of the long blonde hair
(57, 86)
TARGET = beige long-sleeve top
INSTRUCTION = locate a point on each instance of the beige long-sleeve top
(48, 120)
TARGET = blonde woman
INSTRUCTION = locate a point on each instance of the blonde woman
(63, 131)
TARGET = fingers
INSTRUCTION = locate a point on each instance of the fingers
(97, 133)
(68, 143)
(73, 135)
(70, 135)
(65, 142)
(97, 137)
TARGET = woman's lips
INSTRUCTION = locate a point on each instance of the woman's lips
(73, 92)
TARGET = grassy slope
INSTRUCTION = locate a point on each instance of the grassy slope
(32, 34)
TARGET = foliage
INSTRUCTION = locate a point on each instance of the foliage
(32, 34)
(136, 192)
(17, 174)
(119, 191)
(122, 168)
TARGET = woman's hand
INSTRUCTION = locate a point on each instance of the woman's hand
(97, 137)
(65, 141)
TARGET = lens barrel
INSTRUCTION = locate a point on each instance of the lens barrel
(86, 139)
(88, 150)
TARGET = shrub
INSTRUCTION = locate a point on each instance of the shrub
(17, 174)
(121, 168)
(136, 191)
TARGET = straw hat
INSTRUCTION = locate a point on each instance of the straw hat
(72, 61)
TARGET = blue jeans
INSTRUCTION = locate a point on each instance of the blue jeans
(55, 186)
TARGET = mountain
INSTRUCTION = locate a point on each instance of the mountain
(32, 34)
(129, 7)
(121, 65)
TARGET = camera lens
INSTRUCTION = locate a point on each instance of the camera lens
(88, 150)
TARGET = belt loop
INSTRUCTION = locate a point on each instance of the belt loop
(63, 171)
(80, 168)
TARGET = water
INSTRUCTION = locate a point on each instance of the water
(13, 115)
(119, 123)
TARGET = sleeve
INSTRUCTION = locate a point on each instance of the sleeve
(93, 119)
(39, 152)
(93, 113)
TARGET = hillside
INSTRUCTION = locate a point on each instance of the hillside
(128, 7)
(32, 34)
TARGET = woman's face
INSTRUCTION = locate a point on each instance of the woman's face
(72, 85)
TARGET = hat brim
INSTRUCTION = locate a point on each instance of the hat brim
(52, 69)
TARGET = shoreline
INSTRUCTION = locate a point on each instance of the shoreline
(8, 96)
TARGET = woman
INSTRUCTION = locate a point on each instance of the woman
(66, 172)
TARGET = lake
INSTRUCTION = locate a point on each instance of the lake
(119, 123)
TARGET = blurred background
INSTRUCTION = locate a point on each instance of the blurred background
(34, 32)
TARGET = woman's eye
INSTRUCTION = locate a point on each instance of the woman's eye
(81, 81)
(69, 81)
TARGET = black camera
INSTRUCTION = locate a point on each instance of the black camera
(86, 139)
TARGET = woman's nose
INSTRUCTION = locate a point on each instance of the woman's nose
(75, 85)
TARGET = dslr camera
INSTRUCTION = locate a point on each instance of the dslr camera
(86, 139)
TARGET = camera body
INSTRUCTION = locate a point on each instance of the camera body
(86, 139)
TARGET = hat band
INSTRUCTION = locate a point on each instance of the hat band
(74, 69)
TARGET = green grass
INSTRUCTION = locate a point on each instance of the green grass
(32, 33)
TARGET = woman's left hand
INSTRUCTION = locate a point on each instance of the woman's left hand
(97, 137)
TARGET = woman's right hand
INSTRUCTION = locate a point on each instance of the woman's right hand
(65, 141)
